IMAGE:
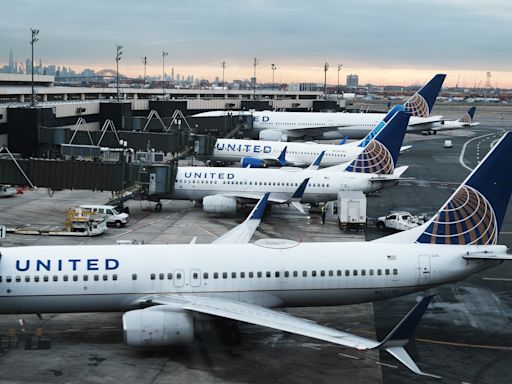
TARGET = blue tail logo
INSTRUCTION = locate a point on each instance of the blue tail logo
(468, 116)
(381, 154)
(475, 212)
(422, 102)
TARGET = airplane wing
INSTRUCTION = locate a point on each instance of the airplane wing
(270, 318)
(424, 123)
(277, 198)
(242, 233)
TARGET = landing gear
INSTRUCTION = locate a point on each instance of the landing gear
(158, 206)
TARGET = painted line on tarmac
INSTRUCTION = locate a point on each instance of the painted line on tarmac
(386, 365)
(463, 151)
(349, 356)
(496, 279)
(464, 345)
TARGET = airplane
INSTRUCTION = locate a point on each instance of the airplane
(176, 291)
(463, 122)
(262, 153)
(221, 188)
(281, 126)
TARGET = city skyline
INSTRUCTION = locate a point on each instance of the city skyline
(395, 45)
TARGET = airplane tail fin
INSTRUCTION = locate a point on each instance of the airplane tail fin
(382, 124)
(422, 102)
(381, 154)
(282, 157)
(316, 163)
(475, 211)
(468, 116)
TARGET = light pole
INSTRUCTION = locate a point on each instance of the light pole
(118, 57)
(35, 32)
(338, 87)
(163, 71)
(145, 62)
(256, 62)
(223, 69)
(273, 67)
(326, 68)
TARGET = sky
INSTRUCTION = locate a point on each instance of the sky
(384, 42)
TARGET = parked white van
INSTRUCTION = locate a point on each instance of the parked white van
(114, 217)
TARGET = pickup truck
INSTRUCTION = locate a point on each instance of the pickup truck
(399, 221)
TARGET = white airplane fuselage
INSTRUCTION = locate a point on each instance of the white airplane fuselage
(298, 154)
(117, 277)
(194, 183)
(353, 125)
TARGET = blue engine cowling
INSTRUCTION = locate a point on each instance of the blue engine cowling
(252, 162)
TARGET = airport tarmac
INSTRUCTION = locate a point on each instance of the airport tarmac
(464, 336)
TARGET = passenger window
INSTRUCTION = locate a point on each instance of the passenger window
(251, 275)
(313, 273)
(233, 275)
(45, 278)
(36, 279)
(363, 272)
(371, 272)
(75, 277)
(260, 274)
(276, 274)
(331, 273)
(268, 274)
(114, 277)
(96, 277)
(304, 273)
(379, 272)
(9, 279)
(395, 271)
(178, 276)
(295, 274)
(161, 276)
(242, 275)
(216, 275)
(338, 272)
(86, 277)
(205, 275)
(152, 276)
(18, 279)
(65, 278)
(55, 278)
(286, 274)
(169, 276)
(386, 271)
(224, 275)
(354, 272)
(195, 276)
(27, 279)
(322, 273)
(105, 277)
(134, 276)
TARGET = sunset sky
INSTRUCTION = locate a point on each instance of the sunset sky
(393, 42)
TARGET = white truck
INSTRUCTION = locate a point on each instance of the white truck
(351, 210)
(113, 217)
(399, 221)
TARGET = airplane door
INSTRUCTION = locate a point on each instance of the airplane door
(423, 269)
(195, 278)
(179, 278)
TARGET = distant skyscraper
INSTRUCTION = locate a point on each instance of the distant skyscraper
(353, 80)
(172, 73)
(28, 66)
(11, 62)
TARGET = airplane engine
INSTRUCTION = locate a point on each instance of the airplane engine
(219, 204)
(273, 135)
(252, 162)
(157, 326)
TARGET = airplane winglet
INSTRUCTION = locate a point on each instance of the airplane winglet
(297, 195)
(282, 157)
(403, 332)
(259, 209)
(316, 163)
(243, 232)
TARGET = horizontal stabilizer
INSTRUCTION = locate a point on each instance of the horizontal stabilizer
(487, 256)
